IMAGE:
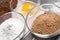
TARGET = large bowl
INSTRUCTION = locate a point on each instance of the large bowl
(19, 33)
(38, 11)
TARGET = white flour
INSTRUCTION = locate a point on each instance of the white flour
(11, 28)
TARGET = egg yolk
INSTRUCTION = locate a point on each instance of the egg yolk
(26, 7)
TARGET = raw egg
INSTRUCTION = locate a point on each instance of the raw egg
(26, 7)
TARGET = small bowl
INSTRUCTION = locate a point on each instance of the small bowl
(20, 5)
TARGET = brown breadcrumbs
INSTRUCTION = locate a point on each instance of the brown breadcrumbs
(5, 6)
(46, 23)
